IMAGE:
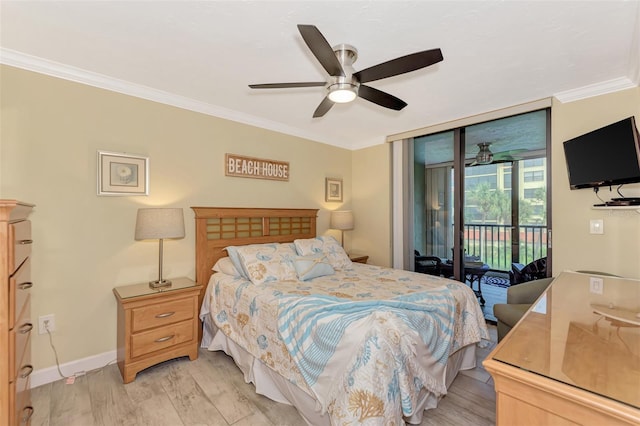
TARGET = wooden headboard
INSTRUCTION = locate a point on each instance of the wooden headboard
(219, 227)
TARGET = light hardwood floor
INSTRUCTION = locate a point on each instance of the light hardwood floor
(212, 391)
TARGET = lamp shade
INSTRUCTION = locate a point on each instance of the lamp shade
(159, 223)
(341, 219)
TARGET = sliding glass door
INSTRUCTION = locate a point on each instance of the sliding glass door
(488, 185)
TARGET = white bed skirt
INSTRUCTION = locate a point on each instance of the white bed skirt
(277, 388)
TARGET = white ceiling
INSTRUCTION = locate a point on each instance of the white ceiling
(201, 55)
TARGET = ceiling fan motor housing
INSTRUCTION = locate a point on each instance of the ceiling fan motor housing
(344, 88)
(484, 156)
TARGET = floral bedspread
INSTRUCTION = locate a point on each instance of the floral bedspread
(363, 342)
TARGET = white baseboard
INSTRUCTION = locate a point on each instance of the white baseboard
(77, 367)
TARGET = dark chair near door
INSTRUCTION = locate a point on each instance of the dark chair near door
(427, 264)
(533, 271)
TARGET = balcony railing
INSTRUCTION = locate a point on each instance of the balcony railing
(493, 244)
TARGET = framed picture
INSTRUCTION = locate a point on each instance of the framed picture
(122, 174)
(333, 189)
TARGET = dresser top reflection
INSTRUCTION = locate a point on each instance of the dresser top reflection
(577, 336)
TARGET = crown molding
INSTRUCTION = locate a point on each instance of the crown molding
(77, 75)
(596, 89)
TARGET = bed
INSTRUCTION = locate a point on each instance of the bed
(345, 343)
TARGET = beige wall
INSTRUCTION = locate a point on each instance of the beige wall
(616, 251)
(372, 203)
(84, 246)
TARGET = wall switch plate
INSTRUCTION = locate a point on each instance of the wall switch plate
(596, 285)
(42, 329)
(596, 226)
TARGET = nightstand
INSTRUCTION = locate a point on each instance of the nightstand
(156, 325)
(359, 258)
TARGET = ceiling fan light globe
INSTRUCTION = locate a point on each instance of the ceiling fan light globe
(342, 93)
(484, 159)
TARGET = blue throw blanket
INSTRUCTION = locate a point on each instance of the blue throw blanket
(334, 336)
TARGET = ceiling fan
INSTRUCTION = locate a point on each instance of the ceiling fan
(485, 156)
(345, 85)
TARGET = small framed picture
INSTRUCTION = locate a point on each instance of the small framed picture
(333, 189)
(122, 174)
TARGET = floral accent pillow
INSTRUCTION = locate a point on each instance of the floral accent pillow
(268, 262)
(328, 246)
(309, 267)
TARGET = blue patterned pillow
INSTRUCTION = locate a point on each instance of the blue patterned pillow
(268, 262)
(232, 251)
(309, 267)
(327, 246)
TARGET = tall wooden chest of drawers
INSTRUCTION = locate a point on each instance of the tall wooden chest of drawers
(15, 316)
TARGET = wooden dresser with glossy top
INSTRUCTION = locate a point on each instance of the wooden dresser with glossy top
(574, 358)
(15, 316)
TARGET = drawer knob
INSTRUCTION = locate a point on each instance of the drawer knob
(24, 242)
(25, 286)
(27, 412)
(164, 339)
(165, 315)
(26, 371)
(25, 328)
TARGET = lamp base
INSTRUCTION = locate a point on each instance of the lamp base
(159, 284)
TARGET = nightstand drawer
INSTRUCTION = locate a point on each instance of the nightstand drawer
(153, 340)
(160, 314)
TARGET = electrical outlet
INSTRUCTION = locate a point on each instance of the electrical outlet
(596, 285)
(50, 321)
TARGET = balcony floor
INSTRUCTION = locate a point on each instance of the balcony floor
(494, 290)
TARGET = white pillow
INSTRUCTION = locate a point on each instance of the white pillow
(225, 266)
(324, 245)
(309, 267)
(268, 262)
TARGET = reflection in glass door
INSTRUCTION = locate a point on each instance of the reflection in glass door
(433, 196)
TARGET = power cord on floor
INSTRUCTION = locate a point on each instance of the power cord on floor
(70, 379)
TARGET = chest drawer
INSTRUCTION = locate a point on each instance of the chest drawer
(19, 290)
(20, 234)
(161, 338)
(160, 314)
(23, 409)
(19, 341)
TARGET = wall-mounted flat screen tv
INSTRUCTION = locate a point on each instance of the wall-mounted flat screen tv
(604, 157)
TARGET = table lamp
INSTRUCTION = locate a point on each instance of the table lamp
(159, 223)
(342, 220)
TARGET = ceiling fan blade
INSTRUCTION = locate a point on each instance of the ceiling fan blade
(401, 65)
(321, 49)
(381, 98)
(510, 152)
(323, 108)
(288, 85)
